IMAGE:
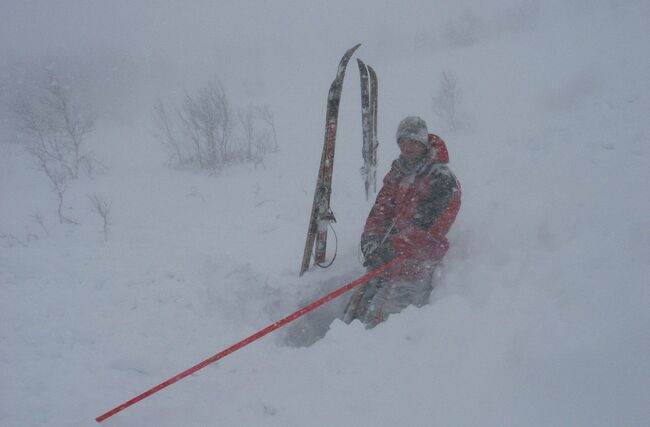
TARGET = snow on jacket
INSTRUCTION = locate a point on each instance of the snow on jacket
(414, 210)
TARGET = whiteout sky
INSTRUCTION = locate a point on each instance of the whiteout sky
(539, 318)
(253, 46)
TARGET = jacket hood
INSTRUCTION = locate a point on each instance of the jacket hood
(438, 149)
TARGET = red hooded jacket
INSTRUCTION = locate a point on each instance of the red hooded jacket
(414, 210)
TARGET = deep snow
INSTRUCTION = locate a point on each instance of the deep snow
(540, 317)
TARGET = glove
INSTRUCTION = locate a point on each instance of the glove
(369, 245)
(375, 253)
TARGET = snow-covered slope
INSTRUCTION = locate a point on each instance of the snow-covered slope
(539, 318)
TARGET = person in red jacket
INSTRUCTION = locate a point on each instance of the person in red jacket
(415, 208)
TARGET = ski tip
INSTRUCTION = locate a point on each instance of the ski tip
(344, 62)
(350, 51)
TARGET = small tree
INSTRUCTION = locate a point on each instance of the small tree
(53, 126)
(203, 133)
(72, 126)
(54, 131)
(268, 117)
(10, 239)
(59, 182)
(446, 101)
(103, 208)
(247, 124)
(257, 128)
(38, 218)
(165, 131)
(205, 121)
(199, 132)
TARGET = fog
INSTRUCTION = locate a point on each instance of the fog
(133, 246)
(121, 56)
(254, 48)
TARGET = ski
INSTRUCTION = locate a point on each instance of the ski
(365, 125)
(374, 143)
(350, 312)
(369, 91)
(321, 215)
(352, 308)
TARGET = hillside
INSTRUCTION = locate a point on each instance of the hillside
(540, 316)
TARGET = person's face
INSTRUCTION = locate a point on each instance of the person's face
(411, 149)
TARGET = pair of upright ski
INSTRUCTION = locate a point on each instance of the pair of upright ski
(321, 214)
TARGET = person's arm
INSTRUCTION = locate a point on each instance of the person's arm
(433, 217)
(375, 242)
(383, 211)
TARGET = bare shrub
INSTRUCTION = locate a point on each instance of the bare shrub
(247, 123)
(258, 134)
(203, 132)
(268, 118)
(54, 130)
(446, 101)
(59, 183)
(9, 240)
(54, 127)
(164, 124)
(103, 208)
(38, 218)
(73, 127)
(101, 78)
(205, 121)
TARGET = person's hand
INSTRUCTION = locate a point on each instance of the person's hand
(369, 246)
(376, 254)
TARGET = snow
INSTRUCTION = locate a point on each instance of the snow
(539, 318)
